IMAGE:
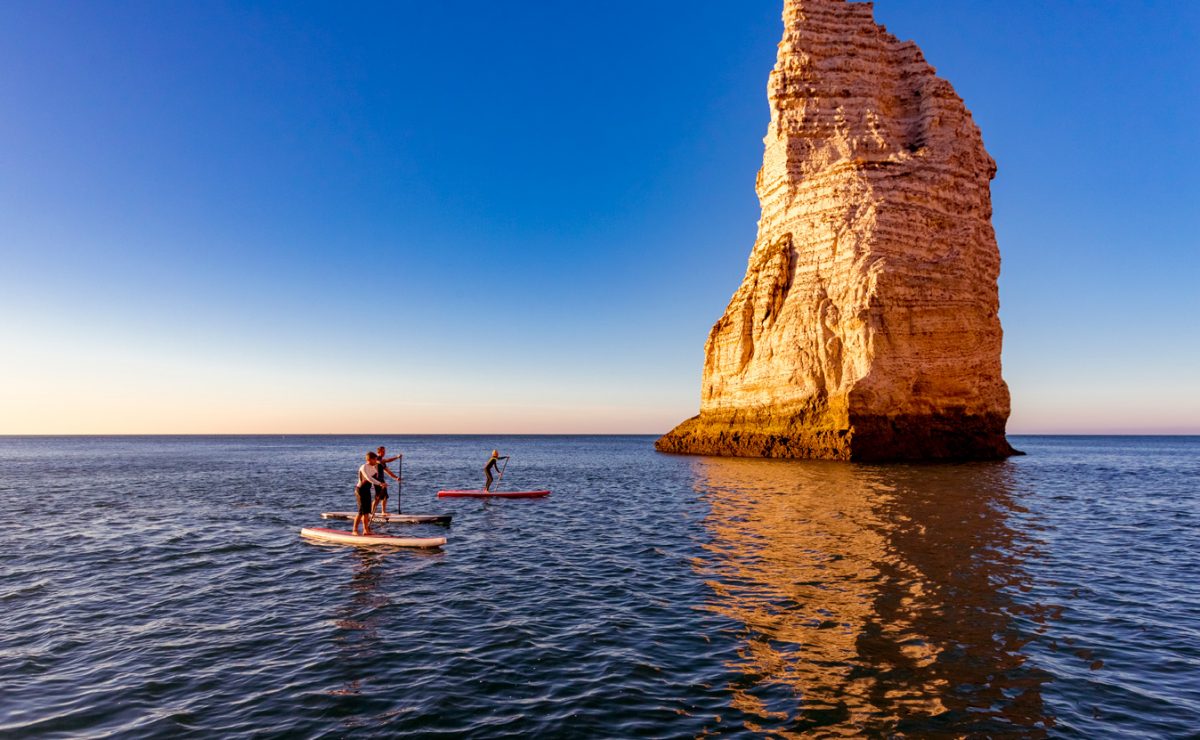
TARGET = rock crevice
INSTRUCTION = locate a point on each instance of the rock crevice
(866, 326)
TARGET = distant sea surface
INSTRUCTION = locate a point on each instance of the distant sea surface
(158, 587)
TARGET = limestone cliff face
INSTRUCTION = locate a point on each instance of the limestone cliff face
(866, 327)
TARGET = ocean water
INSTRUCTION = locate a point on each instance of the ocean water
(157, 587)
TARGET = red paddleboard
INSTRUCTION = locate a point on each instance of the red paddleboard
(348, 538)
(492, 494)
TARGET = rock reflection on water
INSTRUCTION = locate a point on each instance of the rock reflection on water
(873, 599)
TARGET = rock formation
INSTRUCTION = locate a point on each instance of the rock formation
(866, 327)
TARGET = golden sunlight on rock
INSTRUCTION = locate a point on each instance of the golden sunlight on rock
(866, 326)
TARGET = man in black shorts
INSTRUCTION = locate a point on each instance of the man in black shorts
(381, 469)
(366, 481)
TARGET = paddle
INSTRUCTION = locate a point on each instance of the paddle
(400, 484)
(502, 467)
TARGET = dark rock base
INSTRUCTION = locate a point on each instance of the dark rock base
(944, 436)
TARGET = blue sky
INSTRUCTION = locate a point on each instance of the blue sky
(525, 217)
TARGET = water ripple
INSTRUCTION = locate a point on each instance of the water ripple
(649, 596)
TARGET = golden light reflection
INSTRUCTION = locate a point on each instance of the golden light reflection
(871, 599)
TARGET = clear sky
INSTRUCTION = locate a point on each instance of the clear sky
(524, 217)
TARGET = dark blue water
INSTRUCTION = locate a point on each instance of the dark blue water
(158, 587)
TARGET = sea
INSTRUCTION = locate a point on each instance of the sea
(159, 587)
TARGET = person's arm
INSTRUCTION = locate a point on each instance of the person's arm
(389, 472)
(370, 478)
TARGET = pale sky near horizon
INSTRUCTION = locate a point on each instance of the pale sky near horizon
(473, 217)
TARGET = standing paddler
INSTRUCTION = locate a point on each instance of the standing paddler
(366, 482)
(381, 470)
(490, 466)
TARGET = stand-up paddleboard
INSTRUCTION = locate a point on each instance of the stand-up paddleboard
(492, 494)
(392, 518)
(343, 537)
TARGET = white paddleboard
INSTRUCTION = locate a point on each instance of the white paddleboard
(392, 518)
(345, 537)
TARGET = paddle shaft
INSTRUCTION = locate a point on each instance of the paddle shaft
(502, 467)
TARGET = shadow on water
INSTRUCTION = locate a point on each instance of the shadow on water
(357, 639)
(873, 599)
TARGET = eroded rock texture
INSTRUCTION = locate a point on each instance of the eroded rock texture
(866, 325)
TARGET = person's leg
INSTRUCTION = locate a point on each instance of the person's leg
(487, 486)
(363, 493)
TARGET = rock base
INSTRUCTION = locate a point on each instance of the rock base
(942, 436)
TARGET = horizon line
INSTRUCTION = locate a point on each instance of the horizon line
(506, 434)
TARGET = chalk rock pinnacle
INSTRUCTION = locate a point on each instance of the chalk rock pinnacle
(866, 327)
